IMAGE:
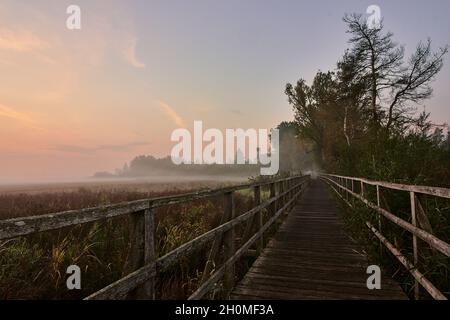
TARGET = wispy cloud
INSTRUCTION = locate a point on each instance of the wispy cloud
(20, 40)
(9, 112)
(172, 114)
(130, 54)
(20, 117)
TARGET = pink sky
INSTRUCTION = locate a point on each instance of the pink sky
(76, 102)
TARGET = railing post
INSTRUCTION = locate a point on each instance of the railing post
(346, 192)
(141, 250)
(286, 188)
(272, 194)
(280, 191)
(362, 189)
(378, 196)
(286, 197)
(229, 241)
(259, 218)
(379, 216)
(291, 194)
(148, 289)
(415, 250)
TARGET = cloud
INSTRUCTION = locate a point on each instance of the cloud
(92, 150)
(172, 114)
(130, 54)
(21, 117)
(13, 114)
(21, 41)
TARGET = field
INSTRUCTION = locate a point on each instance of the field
(34, 199)
(34, 267)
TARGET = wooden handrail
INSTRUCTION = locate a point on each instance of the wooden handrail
(12, 228)
(432, 191)
(413, 228)
(207, 286)
(123, 286)
(143, 266)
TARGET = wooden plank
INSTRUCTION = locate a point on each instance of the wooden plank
(337, 287)
(208, 285)
(312, 258)
(138, 277)
(12, 228)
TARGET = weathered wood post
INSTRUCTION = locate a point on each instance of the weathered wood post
(279, 201)
(141, 250)
(415, 250)
(362, 189)
(259, 218)
(378, 196)
(286, 197)
(290, 194)
(346, 187)
(229, 240)
(379, 217)
(283, 198)
(273, 207)
(288, 187)
(148, 289)
(135, 247)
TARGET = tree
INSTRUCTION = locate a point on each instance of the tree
(310, 104)
(390, 83)
(447, 142)
(295, 153)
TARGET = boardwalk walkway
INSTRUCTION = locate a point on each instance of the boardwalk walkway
(312, 258)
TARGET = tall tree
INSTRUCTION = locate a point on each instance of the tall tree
(309, 102)
(391, 84)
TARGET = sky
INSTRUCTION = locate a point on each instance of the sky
(73, 102)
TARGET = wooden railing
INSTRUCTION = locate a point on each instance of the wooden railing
(419, 226)
(143, 262)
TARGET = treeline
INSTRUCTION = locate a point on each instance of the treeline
(147, 166)
(362, 119)
(296, 156)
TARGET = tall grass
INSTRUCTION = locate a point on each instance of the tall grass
(434, 265)
(34, 267)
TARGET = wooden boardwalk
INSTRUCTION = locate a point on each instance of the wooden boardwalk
(312, 258)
